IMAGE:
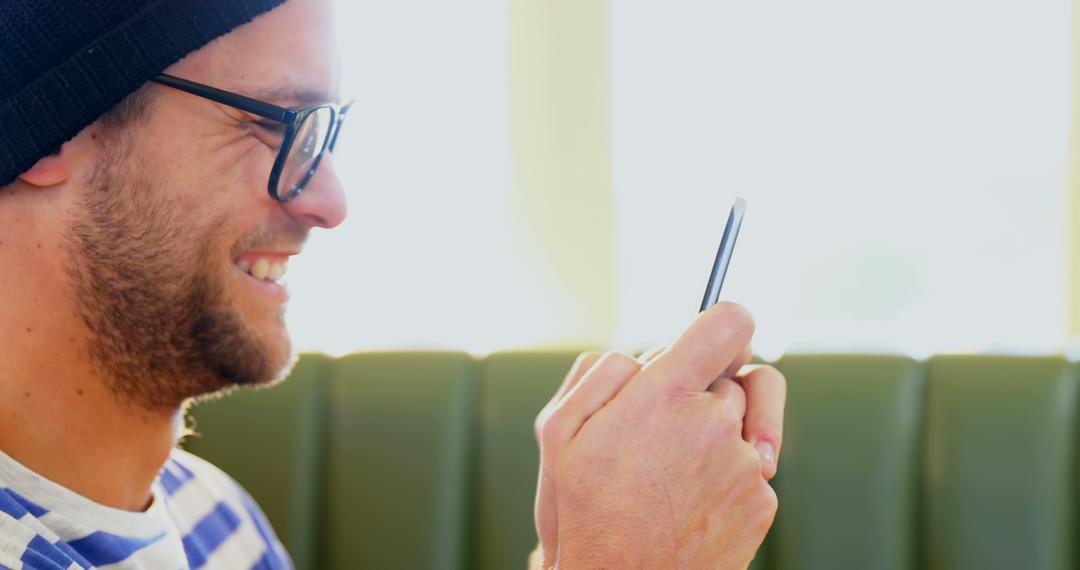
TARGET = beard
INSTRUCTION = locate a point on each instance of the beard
(153, 295)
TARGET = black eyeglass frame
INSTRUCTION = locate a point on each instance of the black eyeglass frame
(292, 117)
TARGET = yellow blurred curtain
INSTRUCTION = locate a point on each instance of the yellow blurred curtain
(559, 138)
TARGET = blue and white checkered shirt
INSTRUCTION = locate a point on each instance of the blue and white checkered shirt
(199, 518)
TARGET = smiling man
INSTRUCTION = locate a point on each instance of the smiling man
(141, 253)
(160, 162)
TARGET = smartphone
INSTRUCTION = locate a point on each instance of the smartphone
(723, 255)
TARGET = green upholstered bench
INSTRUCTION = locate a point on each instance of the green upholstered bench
(427, 460)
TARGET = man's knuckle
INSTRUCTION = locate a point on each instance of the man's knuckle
(588, 358)
(771, 374)
(772, 501)
(616, 357)
(745, 462)
(725, 420)
(548, 440)
(609, 355)
(734, 405)
(560, 419)
(538, 424)
(618, 363)
(766, 505)
(549, 427)
(770, 370)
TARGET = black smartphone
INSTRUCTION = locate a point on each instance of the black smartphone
(723, 255)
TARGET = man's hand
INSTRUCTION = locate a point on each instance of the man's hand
(662, 461)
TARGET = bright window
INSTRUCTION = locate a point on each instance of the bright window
(904, 164)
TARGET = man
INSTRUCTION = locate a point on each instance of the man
(160, 161)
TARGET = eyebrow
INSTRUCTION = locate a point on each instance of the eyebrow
(286, 95)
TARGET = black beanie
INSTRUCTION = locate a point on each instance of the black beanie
(64, 63)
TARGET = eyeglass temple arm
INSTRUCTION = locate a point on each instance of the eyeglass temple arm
(254, 106)
(337, 126)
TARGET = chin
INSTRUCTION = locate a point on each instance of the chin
(281, 359)
(237, 351)
(244, 361)
(276, 357)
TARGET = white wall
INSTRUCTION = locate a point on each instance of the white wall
(904, 164)
(424, 160)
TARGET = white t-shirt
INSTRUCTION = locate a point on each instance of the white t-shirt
(199, 518)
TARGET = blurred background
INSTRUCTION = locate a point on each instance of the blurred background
(557, 174)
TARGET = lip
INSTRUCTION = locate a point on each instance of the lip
(275, 255)
(277, 292)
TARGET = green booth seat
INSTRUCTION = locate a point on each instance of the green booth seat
(515, 387)
(999, 480)
(428, 460)
(849, 463)
(398, 462)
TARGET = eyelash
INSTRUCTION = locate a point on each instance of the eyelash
(272, 127)
(269, 133)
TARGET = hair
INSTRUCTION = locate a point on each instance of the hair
(129, 110)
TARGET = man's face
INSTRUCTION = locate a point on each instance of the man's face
(176, 219)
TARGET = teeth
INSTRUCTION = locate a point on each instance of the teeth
(260, 269)
(276, 271)
(264, 269)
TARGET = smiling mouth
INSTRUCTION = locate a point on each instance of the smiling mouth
(263, 267)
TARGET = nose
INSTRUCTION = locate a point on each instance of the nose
(322, 203)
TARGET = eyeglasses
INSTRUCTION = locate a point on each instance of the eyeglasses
(309, 133)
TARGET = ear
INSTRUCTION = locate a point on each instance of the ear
(49, 171)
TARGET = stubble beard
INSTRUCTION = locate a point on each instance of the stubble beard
(160, 328)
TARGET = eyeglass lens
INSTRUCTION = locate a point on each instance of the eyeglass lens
(307, 146)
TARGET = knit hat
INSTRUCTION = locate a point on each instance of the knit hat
(64, 63)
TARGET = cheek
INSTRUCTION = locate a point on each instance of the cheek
(204, 182)
(234, 174)
(253, 170)
(229, 186)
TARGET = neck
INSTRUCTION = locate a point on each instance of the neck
(59, 418)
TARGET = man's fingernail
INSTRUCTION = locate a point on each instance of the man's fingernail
(766, 451)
